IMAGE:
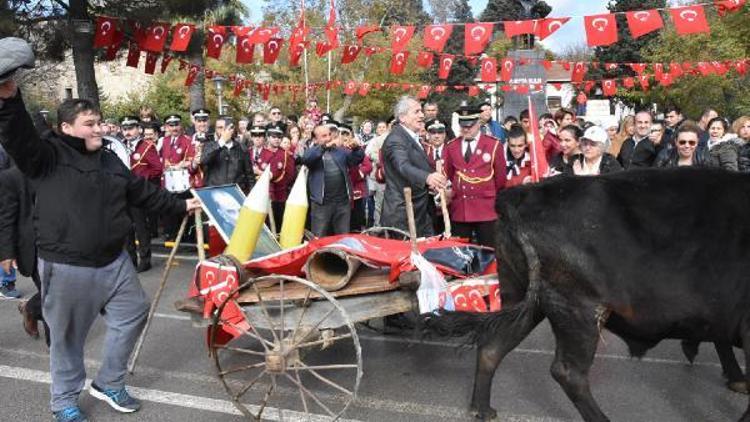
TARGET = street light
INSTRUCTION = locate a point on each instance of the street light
(219, 85)
(44, 114)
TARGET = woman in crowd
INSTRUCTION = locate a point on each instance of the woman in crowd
(570, 136)
(741, 127)
(366, 131)
(294, 135)
(627, 129)
(594, 159)
(722, 153)
(686, 152)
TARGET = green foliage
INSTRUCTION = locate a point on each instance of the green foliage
(728, 94)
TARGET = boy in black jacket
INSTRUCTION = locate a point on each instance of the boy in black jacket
(81, 223)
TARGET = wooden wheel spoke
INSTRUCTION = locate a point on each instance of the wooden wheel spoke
(281, 312)
(240, 350)
(266, 397)
(312, 396)
(242, 368)
(315, 327)
(301, 394)
(302, 314)
(256, 336)
(265, 313)
(249, 385)
(327, 367)
(326, 380)
(322, 341)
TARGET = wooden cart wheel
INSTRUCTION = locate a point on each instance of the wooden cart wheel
(272, 365)
(386, 233)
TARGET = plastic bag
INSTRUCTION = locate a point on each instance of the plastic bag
(433, 291)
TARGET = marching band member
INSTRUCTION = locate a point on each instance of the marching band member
(176, 154)
(281, 164)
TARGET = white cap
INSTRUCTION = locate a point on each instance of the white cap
(596, 134)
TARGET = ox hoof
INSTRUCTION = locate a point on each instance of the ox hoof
(484, 415)
(738, 387)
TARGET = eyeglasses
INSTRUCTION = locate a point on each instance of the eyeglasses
(683, 142)
(275, 112)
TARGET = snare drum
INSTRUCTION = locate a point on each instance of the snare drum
(176, 180)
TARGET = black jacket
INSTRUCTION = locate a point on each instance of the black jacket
(222, 166)
(16, 223)
(81, 212)
(406, 165)
(634, 156)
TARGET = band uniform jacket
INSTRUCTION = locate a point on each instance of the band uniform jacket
(358, 176)
(281, 165)
(476, 183)
(145, 162)
(405, 164)
(177, 150)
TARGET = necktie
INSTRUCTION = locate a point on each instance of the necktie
(467, 153)
(173, 141)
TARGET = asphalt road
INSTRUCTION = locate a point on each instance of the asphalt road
(404, 380)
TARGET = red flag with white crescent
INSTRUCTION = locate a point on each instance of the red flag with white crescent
(150, 67)
(445, 64)
(271, 50)
(165, 60)
(361, 31)
(181, 34)
(548, 26)
(245, 49)
(350, 53)
(515, 28)
(489, 70)
(506, 69)
(425, 59)
(398, 62)
(609, 87)
(539, 165)
(400, 37)
(643, 22)
(728, 6)
(192, 74)
(350, 88)
(579, 71)
(476, 37)
(263, 35)
(105, 31)
(134, 55)
(689, 20)
(423, 92)
(215, 40)
(601, 29)
(332, 33)
(156, 37)
(435, 36)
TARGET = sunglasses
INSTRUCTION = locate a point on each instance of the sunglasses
(691, 143)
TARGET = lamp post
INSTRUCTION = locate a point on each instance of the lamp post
(44, 114)
(219, 85)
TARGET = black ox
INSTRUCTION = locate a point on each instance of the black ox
(649, 255)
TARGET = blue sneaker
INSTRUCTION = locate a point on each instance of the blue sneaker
(70, 414)
(8, 290)
(120, 400)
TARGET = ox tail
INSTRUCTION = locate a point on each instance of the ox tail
(515, 321)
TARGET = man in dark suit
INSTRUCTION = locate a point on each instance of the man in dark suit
(406, 164)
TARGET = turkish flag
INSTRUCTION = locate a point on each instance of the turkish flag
(506, 69)
(515, 28)
(139, 33)
(245, 49)
(105, 31)
(705, 68)
(423, 92)
(215, 40)
(150, 63)
(181, 34)
(350, 88)
(643, 22)
(476, 37)
(370, 50)
(445, 64)
(398, 62)
(666, 79)
(489, 70)
(263, 35)
(689, 20)
(473, 91)
(295, 52)
(721, 69)
(628, 82)
(113, 48)
(579, 71)
(363, 30)
(539, 166)
(643, 80)
(675, 69)
(156, 36)
(425, 59)
(350, 53)
(658, 70)
(609, 87)
(364, 88)
(435, 36)
(134, 55)
(548, 26)
(332, 33)
(239, 85)
(588, 86)
(728, 6)
(165, 60)
(322, 48)
(400, 37)
(741, 67)
(601, 29)
(271, 50)
(638, 68)
(192, 74)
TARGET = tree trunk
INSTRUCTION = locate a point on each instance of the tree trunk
(82, 42)
(197, 90)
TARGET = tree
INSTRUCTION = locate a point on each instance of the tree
(513, 10)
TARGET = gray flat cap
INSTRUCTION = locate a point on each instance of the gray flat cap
(15, 54)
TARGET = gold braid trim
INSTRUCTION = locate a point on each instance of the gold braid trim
(143, 156)
(477, 180)
(283, 173)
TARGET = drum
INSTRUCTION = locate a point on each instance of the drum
(176, 180)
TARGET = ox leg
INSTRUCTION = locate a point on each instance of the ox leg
(730, 368)
(745, 336)
(577, 335)
(489, 356)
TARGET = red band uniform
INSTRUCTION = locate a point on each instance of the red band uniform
(281, 165)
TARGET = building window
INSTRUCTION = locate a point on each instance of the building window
(68, 93)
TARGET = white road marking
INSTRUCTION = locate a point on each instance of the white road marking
(175, 399)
